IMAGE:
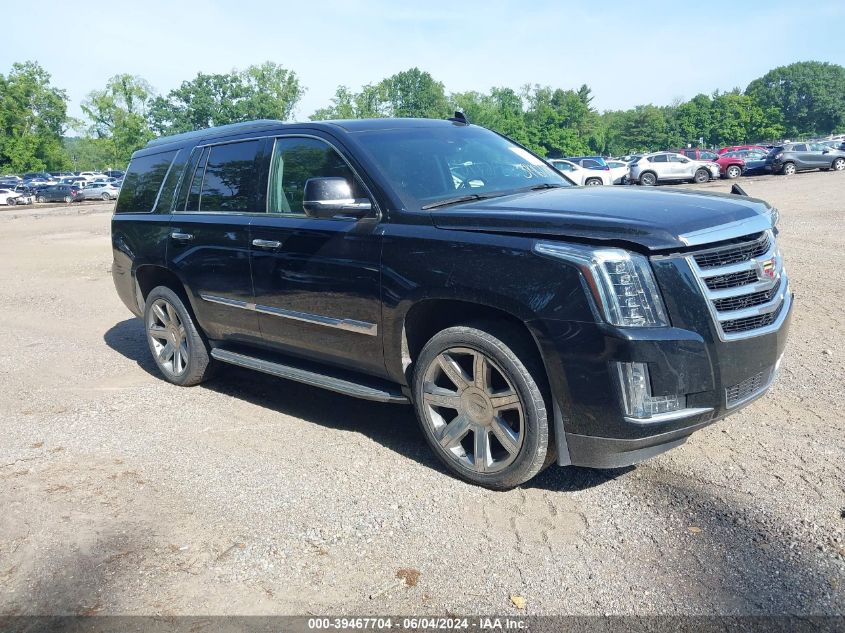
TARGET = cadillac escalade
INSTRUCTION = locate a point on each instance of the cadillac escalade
(438, 264)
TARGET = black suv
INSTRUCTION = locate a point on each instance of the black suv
(792, 157)
(57, 193)
(440, 264)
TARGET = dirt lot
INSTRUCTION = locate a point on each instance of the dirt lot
(123, 494)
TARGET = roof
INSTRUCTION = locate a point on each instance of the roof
(222, 130)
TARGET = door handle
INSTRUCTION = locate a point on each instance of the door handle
(182, 237)
(266, 243)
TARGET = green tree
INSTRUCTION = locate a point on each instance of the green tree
(33, 116)
(369, 103)
(810, 95)
(118, 117)
(265, 91)
(415, 93)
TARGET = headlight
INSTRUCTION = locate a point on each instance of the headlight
(621, 282)
(775, 215)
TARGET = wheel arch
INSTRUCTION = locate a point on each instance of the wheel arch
(148, 276)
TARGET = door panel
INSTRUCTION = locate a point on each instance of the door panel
(209, 247)
(316, 282)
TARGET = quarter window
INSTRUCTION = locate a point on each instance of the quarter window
(297, 159)
(142, 183)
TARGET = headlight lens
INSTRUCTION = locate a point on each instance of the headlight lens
(621, 282)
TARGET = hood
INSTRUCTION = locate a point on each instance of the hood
(654, 219)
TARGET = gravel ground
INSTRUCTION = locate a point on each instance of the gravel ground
(123, 494)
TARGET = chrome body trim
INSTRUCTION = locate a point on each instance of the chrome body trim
(350, 325)
(729, 231)
(672, 416)
(298, 374)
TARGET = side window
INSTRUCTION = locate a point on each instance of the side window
(589, 163)
(689, 153)
(817, 147)
(196, 182)
(660, 158)
(675, 158)
(297, 159)
(709, 156)
(799, 148)
(142, 183)
(230, 182)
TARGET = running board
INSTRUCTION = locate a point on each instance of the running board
(298, 374)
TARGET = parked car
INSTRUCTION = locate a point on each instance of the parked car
(618, 171)
(729, 166)
(114, 173)
(37, 175)
(581, 175)
(99, 191)
(8, 197)
(659, 167)
(77, 181)
(734, 148)
(793, 157)
(755, 160)
(58, 193)
(526, 321)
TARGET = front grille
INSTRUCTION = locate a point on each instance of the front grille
(734, 253)
(746, 301)
(750, 323)
(731, 280)
(744, 284)
(748, 388)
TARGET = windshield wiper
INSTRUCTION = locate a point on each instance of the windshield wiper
(458, 199)
(544, 185)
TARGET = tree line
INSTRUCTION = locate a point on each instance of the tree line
(798, 100)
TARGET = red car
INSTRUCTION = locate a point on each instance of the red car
(729, 166)
(733, 148)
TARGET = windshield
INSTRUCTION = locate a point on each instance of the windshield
(427, 165)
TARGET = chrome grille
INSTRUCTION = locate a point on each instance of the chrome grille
(745, 285)
(748, 388)
(734, 253)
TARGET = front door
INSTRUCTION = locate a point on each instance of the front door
(316, 281)
(209, 246)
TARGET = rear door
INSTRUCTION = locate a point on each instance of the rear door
(208, 244)
(316, 281)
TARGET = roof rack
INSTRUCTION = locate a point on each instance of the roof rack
(221, 130)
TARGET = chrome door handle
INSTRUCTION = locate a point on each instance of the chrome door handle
(266, 243)
(176, 235)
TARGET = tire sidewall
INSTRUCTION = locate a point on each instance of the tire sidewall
(840, 162)
(648, 179)
(199, 361)
(534, 448)
(786, 169)
(733, 169)
(701, 176)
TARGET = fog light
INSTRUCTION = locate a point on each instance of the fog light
(637, 401)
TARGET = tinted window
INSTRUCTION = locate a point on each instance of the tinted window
(231, 178)
(196, 182)
(676, 158)
(590, 163)
(165, 200)
(295, 160)
(660, 158)
(142, 183)
(799, 148)
(690, 153)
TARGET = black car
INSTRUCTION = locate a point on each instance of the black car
(793, 157)
(439, 264)
(41, 175)
(114, 173)
(57, 193)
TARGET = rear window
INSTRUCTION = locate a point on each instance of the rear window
(142, 183)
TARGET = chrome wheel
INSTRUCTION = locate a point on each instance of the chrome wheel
(788, 169)
(648, 179)
(473, 410)
(839, 164)
(167, 338)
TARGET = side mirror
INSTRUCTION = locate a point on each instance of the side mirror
(332, 196)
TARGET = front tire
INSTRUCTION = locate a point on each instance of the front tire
(701, 176)
(478, 399)
(40, 200)
(179, 350)
(839, 164)
(106, 197)
(593, 182)
(733, 171)
(648, 179)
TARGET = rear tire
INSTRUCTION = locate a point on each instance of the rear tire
(479, 402)
(732, 172)
(106, 196)
(788, 169)
(68, 199)
(593, 182)
(179, 350)
(648, 179)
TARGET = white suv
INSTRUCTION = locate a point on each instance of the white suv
(581, 175)
(667, 166)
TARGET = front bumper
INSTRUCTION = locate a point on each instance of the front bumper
(718, 377)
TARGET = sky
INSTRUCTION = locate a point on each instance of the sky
(628, 52)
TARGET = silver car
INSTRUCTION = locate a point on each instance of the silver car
(670, 167)
(99, 191)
